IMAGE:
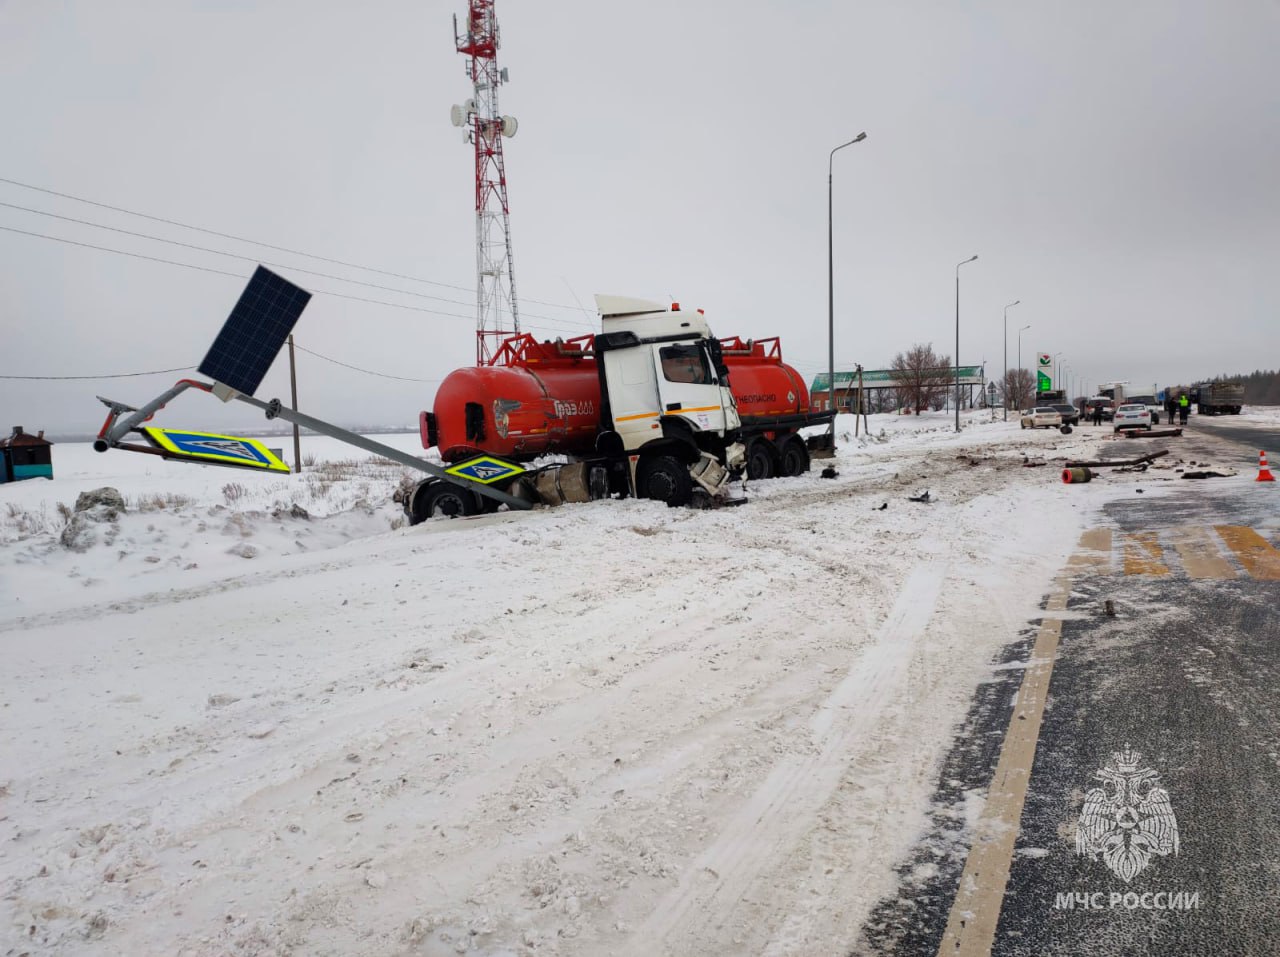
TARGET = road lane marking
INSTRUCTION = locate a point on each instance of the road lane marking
(1094, 553)
(1143, 555)
(1199, 553)
(971, 926)
(1254, 552)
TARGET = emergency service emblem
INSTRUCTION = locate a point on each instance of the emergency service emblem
(485, 469)
(1129, 819)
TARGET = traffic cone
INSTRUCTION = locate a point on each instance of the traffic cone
(1264, 473)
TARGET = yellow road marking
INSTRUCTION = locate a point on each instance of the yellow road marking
(1256, 555)
(975, 914)
(971, 927)
(1094, 554)
(1142, 555)
(1200, 555)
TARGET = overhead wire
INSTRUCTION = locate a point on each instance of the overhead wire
(223, 272)
(230, 255)
(254, 242)
(115, 375)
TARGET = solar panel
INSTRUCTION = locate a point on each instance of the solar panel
(252, 336)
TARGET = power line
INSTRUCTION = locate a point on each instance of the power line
(252, 259)
(223, 272)
(381, 375)
(117, 375)
(254, 242)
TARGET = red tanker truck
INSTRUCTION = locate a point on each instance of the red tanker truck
(653, 406)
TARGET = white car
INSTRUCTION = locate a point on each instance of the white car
(1042, 417)
(1132, 417)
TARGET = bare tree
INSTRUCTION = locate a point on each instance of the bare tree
(924, 376)
(1017, 386)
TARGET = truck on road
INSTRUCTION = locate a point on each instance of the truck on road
(1218, 398)
(654, 406)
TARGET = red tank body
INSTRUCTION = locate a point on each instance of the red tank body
(540, 398)
(763, 385)
(536, 399)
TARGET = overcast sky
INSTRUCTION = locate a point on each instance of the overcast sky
(1114, 165)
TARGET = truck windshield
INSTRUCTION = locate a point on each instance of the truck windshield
(685, 363)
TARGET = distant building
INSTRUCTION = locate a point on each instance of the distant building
(26, 456)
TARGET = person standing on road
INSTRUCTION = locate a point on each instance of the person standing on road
(1184, 408)
(1097, 413)
(1171, 409)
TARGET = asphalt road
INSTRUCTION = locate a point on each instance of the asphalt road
(1150, 819)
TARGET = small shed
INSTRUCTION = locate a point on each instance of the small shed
(26, 456)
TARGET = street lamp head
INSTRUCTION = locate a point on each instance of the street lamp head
(860, 137)
(1025, 328)
(1012, 304)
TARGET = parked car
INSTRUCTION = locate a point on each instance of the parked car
(1070, 414)
(1042, 417)
(1132, 416)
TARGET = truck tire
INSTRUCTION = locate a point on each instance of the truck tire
(795, 457)
(665, 478)
(447, 499)
(760, 463)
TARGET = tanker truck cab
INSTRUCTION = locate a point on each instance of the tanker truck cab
(665, 397)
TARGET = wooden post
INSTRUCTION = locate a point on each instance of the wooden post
(293, 389)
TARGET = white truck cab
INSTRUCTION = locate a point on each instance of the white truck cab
(664, 386)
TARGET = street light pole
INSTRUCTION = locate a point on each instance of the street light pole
(831, 294)
(1020, 332)
(1004, 385)
(1056, 371)
(958, 265)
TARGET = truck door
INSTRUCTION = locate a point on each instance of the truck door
(687, 385)
(633, 395)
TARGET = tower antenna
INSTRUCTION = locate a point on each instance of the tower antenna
(497, 315)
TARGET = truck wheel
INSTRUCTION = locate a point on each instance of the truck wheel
(795, 457)
(665, 479)
(449, 500)
(759, 460)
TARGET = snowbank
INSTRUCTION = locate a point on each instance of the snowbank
(606, 728)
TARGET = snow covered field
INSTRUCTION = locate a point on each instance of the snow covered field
(234, 728)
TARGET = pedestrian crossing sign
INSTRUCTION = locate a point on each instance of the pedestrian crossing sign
(209, 448)
(485, 469)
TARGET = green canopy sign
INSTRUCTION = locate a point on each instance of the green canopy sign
(1043, 382)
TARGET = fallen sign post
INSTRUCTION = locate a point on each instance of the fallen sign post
(1152, 434)
(1143, 460)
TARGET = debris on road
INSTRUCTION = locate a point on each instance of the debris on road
(1207, 473)
(1119, 462)
(1152, 433)
(923, 497)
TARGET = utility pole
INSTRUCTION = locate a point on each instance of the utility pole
(293, 390)
(958, 265)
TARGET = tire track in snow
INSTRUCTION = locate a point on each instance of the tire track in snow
(697, 915)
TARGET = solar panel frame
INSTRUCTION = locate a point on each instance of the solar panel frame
(254, 333)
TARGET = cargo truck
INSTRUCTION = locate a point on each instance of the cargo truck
(1218, 398)
(653, 406)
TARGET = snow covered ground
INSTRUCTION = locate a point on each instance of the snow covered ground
(234, 728)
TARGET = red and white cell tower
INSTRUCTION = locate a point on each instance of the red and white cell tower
(496, 313)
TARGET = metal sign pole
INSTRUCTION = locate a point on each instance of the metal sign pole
(275, 409)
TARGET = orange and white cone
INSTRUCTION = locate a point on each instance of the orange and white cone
(1264, 473)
